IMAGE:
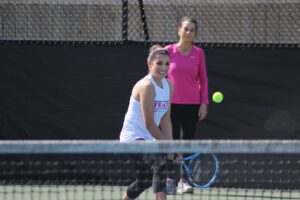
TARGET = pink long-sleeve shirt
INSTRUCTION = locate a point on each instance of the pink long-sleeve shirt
(188, 74)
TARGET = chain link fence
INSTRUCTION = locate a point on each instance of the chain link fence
(119, 21)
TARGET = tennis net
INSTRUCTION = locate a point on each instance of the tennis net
(102, 170)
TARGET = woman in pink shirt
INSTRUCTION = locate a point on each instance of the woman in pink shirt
(190, 97)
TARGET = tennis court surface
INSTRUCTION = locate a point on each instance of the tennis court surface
(88, 170)
(115, 192)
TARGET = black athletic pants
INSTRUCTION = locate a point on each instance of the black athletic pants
(184, 119)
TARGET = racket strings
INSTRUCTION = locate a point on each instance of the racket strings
(202, 169)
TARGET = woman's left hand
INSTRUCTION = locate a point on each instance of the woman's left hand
(202, 111)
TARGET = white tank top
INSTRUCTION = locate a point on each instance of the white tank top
(134, 125)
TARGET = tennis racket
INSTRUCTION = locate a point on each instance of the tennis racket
(201, 169)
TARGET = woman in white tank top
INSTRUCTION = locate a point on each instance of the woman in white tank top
(148, 118)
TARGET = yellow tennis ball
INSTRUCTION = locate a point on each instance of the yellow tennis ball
(217, 97)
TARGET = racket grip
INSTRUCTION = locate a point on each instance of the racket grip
(172, 156)
(177, 156)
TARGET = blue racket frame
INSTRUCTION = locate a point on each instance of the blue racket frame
(188, 171)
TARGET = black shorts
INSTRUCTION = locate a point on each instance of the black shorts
(150, 171)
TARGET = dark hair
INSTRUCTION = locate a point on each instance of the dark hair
(157, 50)
(189, 19)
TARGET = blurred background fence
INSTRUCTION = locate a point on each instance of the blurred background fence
(100, 21)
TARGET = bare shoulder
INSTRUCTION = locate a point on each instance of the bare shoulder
(171, 85)
(142, 85)
(145, 83)
(171, 88)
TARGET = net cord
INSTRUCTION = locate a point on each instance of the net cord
(180, 146)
